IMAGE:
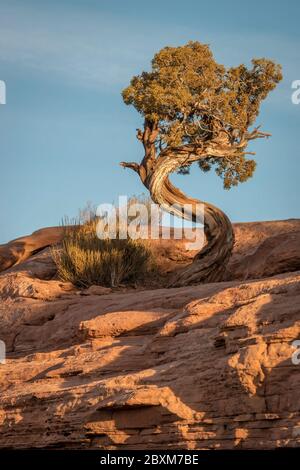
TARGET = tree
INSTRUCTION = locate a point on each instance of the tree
(196, 110)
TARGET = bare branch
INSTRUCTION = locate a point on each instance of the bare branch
(256, 134)
(139, 134)
(132, 165)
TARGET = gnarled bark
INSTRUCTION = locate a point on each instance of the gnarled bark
(210, 263)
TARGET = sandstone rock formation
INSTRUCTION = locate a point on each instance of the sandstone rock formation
(22, 248)
(265, 248)
(201, 367)
(261, 249)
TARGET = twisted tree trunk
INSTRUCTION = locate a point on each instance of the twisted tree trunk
(210, 263)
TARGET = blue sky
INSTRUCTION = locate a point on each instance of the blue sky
(65, 128)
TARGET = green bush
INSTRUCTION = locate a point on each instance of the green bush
(84, 259)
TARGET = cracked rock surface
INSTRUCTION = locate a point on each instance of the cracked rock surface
(202, 367)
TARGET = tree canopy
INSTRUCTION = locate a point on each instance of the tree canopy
(195, 106)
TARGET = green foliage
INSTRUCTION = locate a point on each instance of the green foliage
(85, 260)
(194, 100)
(231, 170)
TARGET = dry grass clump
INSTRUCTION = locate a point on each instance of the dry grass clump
(153, 210)
(86, 260)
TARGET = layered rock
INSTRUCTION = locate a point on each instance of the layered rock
(198, 367)
(264, 249)
(261, 249)
(202, 367)
(22, 248)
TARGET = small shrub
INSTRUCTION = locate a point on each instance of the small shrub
(85, 260)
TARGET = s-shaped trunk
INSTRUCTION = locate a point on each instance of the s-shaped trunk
(210, 263)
